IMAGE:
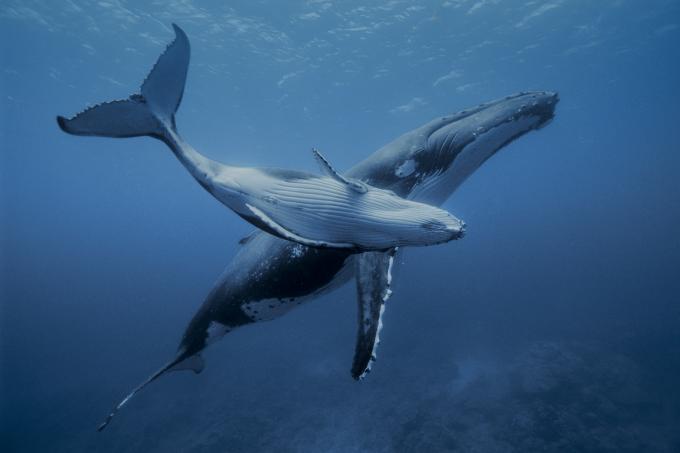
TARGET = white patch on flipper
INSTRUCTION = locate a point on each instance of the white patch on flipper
(386, 295)
(406, 168)
(374, 353)
(389, 274)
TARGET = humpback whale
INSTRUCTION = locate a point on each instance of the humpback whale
(332, 211)
(270, 276)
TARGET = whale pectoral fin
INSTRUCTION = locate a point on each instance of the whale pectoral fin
(327, 168)
(374, 277)
(289, 235)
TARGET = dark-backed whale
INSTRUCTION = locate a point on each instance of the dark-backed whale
(330, 211)
(269, 276)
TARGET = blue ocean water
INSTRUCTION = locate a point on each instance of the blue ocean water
(554, 325)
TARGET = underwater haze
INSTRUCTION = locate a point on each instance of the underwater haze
(552, 326)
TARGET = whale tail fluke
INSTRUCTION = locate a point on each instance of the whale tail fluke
(147, 113)
(181, 362)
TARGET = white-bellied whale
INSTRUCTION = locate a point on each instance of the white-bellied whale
(270, 276)
(330, 211)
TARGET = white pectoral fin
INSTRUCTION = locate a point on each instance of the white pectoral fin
(327, 168)
(374, 278)
(289, 235)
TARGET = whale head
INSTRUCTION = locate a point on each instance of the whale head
(448, 229)
(384, 220)
(429, 163)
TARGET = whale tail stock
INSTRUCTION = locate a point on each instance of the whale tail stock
(150, 112)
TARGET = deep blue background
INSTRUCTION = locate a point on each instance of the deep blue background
(553, 326)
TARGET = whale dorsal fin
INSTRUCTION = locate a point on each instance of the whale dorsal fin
(247, 238)
(373, 278)
(327, 168)
(289, 235)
